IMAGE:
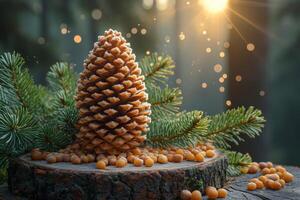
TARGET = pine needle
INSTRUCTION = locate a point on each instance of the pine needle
(236, 161)
(51, 138)
(164, 102)
(181, 130)
(62, 81)
(17, 128)
(18, 84)
(229, 127)
(157, 68)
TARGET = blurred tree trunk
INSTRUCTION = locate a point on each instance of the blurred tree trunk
(44, 19)
(250, 65)
(284, 82)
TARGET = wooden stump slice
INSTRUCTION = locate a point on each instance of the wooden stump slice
(39, 180)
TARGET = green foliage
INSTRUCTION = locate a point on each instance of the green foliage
(62, 77)
(32, 115)
(182, 130)
(229, 127)
(169, 127)
(18, 84)
(51, 138)
(166, 101)
(65, 120)
(17, 128)
(62, 82)
(236, 162)
(156, 68)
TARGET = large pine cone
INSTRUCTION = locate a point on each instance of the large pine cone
(111, 98)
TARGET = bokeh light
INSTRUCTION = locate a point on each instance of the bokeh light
(96, 14)
(128, 35)
(181, 36)
(208, 50)
(262, 93)
(64, 31)
(218, 68)
(178, 81)
(222, 54)
(222, 89)
(134, 30)
(221, 80)
(77, 39)
(143, 31)
(167, 39)
(238, 78)
(228, 103)
(250, 47)
(41, 40)
(204, 85)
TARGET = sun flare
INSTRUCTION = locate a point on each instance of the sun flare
(214, 6)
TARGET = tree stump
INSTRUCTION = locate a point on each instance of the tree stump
(238, 188)
(39, 180)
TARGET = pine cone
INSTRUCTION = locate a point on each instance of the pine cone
(111, 98)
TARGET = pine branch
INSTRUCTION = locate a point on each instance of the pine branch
(62, 77)
(51, 138)
(65, 120)
(236, 161)
(229, 127)
(164, 102)
(62, 81)
(157, 69)
(181, 130)
(7, 99)
(18, 83)
(17, 130)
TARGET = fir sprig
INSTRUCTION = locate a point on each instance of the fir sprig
(166, 101)
(17, 128)
(157, 68)
(236, 161)
(62, 77)
(65, 120)
(182, 130)
(62, 81)
(18, 83)
(231, 126)
(51, 138)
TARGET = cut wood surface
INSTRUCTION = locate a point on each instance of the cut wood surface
(159, 182)
(40, 180)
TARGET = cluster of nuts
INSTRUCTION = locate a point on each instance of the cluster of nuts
(272, 177)
(138, 156)
(211, 193)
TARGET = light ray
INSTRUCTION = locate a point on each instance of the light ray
(235, 28)
(252, 3)
(252, 24)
